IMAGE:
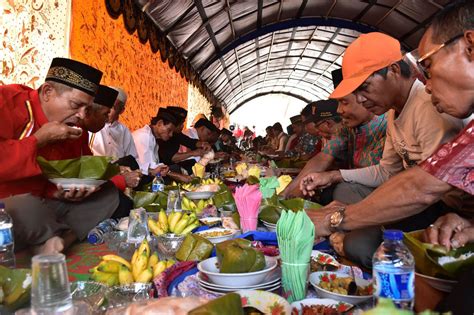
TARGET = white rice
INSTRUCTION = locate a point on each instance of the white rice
(443, 260)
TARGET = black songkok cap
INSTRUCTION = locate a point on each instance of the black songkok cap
(75, 74)
(295, 119)
(225, 131)
(321, 110)
(106, 96)
(179, 112)
(336, 77)
(166, 114)
(206, 123)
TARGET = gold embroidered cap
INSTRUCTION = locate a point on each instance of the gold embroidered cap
(75, 74)
(320, 110)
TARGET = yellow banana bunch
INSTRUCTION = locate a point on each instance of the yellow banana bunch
(175, 222)
(210, 181)
(162, 266)
(113, 269)
(193, 206)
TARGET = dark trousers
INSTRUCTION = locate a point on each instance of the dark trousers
(360, 245)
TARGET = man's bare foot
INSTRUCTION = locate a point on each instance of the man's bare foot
(52, 246)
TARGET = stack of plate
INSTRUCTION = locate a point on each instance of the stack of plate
(271, 282)
(270, 226)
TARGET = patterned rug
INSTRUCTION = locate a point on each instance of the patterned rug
(80, 258)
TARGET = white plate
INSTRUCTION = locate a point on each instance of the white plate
(265, 302)
(217, 239)
(209, 268)
(210, 220)
(272, 278)
(439, 284)
(69, 183)
(327, 302)
(195, 195)
(271, 286)
(314, 279)
(219, 292)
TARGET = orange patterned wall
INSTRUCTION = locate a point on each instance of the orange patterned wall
(103, 42)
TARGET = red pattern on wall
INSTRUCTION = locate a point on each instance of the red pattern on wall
(103, 42)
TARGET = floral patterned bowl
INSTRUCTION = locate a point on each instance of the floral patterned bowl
(265, 302)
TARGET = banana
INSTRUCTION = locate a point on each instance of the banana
(154, 227)
(174, 220)
(94, 269)
(117, 259)
(185, 204)
(170, 263)
(170, 216)
(189, 228)
(110, 266)
(163, 220)
(124, 275)
(144, 248)
(153, 260)
(159, 268)
(140, 265)
(109, 279)
(134, 258)
(145, 276)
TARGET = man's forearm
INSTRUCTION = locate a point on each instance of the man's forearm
(178, 157)
(404, 195)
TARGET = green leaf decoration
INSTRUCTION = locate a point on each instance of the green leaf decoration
(85, 167)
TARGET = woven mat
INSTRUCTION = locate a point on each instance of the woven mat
(80, 258)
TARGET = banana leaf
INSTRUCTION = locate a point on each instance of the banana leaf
(85, 167)
(426, 257)
(296, 204)
(151, 201)
(270, 213)
(237, 256)
(15, 286)
(223, 197)
(229, 304)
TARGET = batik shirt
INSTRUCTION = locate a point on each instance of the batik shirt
(307, 144)
(361, 146)
(453, 162)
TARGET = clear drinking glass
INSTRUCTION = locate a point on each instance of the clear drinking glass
(248, 224)
(137, 226)
(174, 201)
(50, 291)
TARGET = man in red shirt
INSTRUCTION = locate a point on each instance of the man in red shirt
(40, 123)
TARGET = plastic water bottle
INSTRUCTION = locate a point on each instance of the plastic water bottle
(96, 235)
(7, 254)
(394, 271)
(158, 184)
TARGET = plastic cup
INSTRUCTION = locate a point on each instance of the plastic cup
(294, 279)
(50, 291)
(248, 224)
(173, 202)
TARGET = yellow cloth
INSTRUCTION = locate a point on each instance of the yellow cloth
(239, 168)
(254, 171)
(198, 170)
(284, 181)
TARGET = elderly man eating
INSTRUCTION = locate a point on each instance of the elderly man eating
(37, 123)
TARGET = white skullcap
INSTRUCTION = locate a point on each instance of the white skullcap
(122, 96)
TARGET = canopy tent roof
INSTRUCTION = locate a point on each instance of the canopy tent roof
(244, 49)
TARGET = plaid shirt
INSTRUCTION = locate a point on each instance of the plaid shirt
(453, 162)
(361, 146)
(307, 144)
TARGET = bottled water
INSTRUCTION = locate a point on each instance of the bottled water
(158, 184)
(7, 254)
(394, 271)
(96, 235)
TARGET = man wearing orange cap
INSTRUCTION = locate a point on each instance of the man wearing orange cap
(374, 71)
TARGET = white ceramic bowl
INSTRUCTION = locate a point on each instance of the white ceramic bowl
(196, 195)
(314, 279)
(209, 268)
(437, 283)
(70, 183)
(217, 239)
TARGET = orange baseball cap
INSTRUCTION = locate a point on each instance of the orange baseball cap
(368, 53)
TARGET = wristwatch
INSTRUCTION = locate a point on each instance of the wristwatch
(336, 218)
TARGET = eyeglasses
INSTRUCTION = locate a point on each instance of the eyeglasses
(414, 58)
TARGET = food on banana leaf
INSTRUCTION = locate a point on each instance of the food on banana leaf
(194, 247)
(85, 167)
(237, 256)
(427, 257)
(229, 304)
(270, 213)
(15, 284)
